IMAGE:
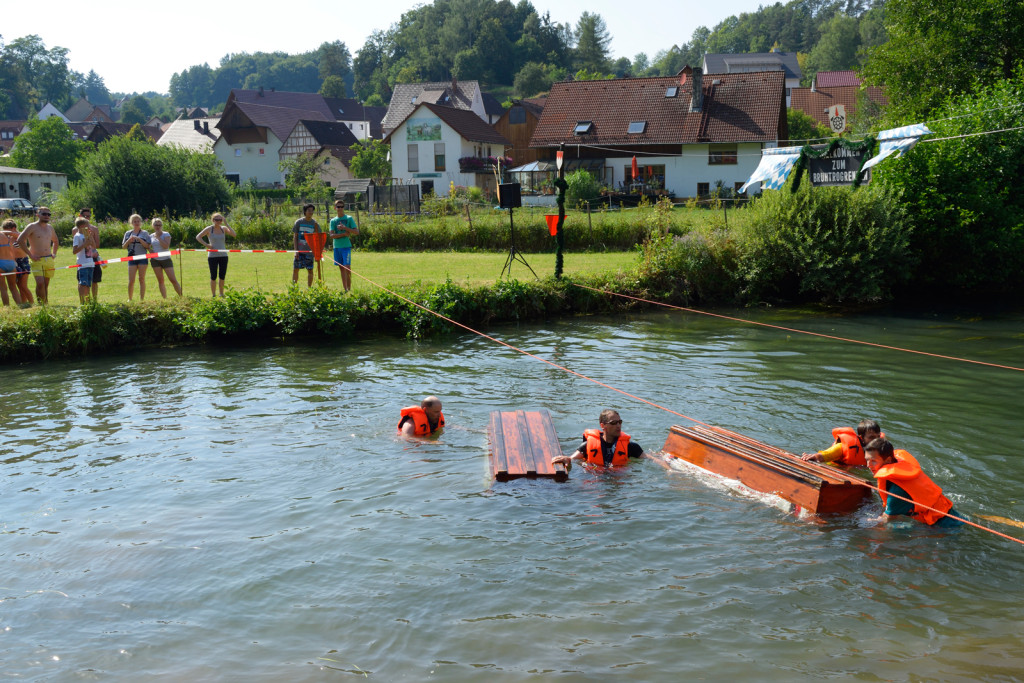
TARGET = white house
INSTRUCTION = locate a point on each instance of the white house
(49, 110)
(28, 183)
(690, 133)
(437, 146)
(465, 95)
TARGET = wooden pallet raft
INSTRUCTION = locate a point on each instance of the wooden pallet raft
(816, 488)
(522, 445)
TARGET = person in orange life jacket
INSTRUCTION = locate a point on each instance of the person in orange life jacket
(899, 474)
(422, 420)
(608, 447)
(848, 448)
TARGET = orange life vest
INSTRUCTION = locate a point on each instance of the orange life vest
(907, 474)
(853, 451)
(420, 421)
(595, 455)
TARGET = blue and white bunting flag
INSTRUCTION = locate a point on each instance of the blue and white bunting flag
(774, 168)
(897, 141)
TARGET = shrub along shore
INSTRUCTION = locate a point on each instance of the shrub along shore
(250, 315)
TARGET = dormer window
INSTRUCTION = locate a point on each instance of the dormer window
(637, 127)
(672, 91)
(582, 127)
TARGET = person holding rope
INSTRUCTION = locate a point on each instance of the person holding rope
(848, 448)
(342, 227)
(606, 447)
(422, 420)
(898, 473)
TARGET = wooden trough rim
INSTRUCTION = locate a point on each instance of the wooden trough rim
(773, 458)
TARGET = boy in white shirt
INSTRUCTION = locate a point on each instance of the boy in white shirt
(83, 247)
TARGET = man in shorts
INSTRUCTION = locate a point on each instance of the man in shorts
(97, 269)
(303, 227)
(83, 247)
(342, 227)
(39, 241)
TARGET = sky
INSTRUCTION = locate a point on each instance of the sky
(137, 47)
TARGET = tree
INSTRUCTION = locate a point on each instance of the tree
(803, 127)
(136, 110)
(333, 86)
(126, 175)
(943, 48)
(371, 161)
(592, 41)
(302, 173)
(837, 50)
(95, 90)
(335, 60)
(49, 145)
(531, 80)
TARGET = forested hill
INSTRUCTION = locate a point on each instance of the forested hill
(511, 48)
(506, 45)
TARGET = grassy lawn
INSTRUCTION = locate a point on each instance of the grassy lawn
(273, 272)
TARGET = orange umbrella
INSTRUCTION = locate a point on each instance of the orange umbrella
(636, 171)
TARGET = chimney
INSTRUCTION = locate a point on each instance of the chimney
(206, 127)
(697, 91)
(195, 123)
(455, 87)
(261, 91)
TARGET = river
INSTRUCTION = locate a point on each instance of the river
(227, 513)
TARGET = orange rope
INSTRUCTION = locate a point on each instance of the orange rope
(791, 329)
(959, 519)
(624, 393)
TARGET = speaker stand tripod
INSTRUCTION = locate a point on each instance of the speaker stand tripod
(513, 253)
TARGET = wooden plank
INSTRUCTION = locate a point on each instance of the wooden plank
(522, 445)
(768, 469)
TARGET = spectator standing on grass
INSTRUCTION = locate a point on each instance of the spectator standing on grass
(39, 241)
(343, 227)
(83, 246)
(161, 241)
(97, 269)
(217, 258)
(303, 227)
(8, 263)
(137, 242)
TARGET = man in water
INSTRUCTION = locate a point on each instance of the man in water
(39, 241)
(607, 447)
(422, 420)
(848, 448)
(899, 474)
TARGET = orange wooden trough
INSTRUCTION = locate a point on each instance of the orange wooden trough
(812, 486)
(522, 445)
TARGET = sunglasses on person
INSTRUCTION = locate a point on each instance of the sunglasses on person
(613, 422)
(44, 213)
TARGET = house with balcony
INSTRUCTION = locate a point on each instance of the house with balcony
(436, 146)
(690, 133)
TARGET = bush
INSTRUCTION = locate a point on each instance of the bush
(125, 175)
(827, 244)
(582, 188)
(963, 205)
(698, 267)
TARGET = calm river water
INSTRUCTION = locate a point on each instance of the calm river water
(248, 514)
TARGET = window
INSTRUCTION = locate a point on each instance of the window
(672, 91)
(582, 127)
(263, 152)
(46, 185)
(703, 189)
(438, 156)
(516, 115)
(414, 159)
(637, 127)
(238, 152)
(350, 128)
(719, 155)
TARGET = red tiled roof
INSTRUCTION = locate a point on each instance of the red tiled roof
(816, 103)
(835, 79)
(741, 107)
